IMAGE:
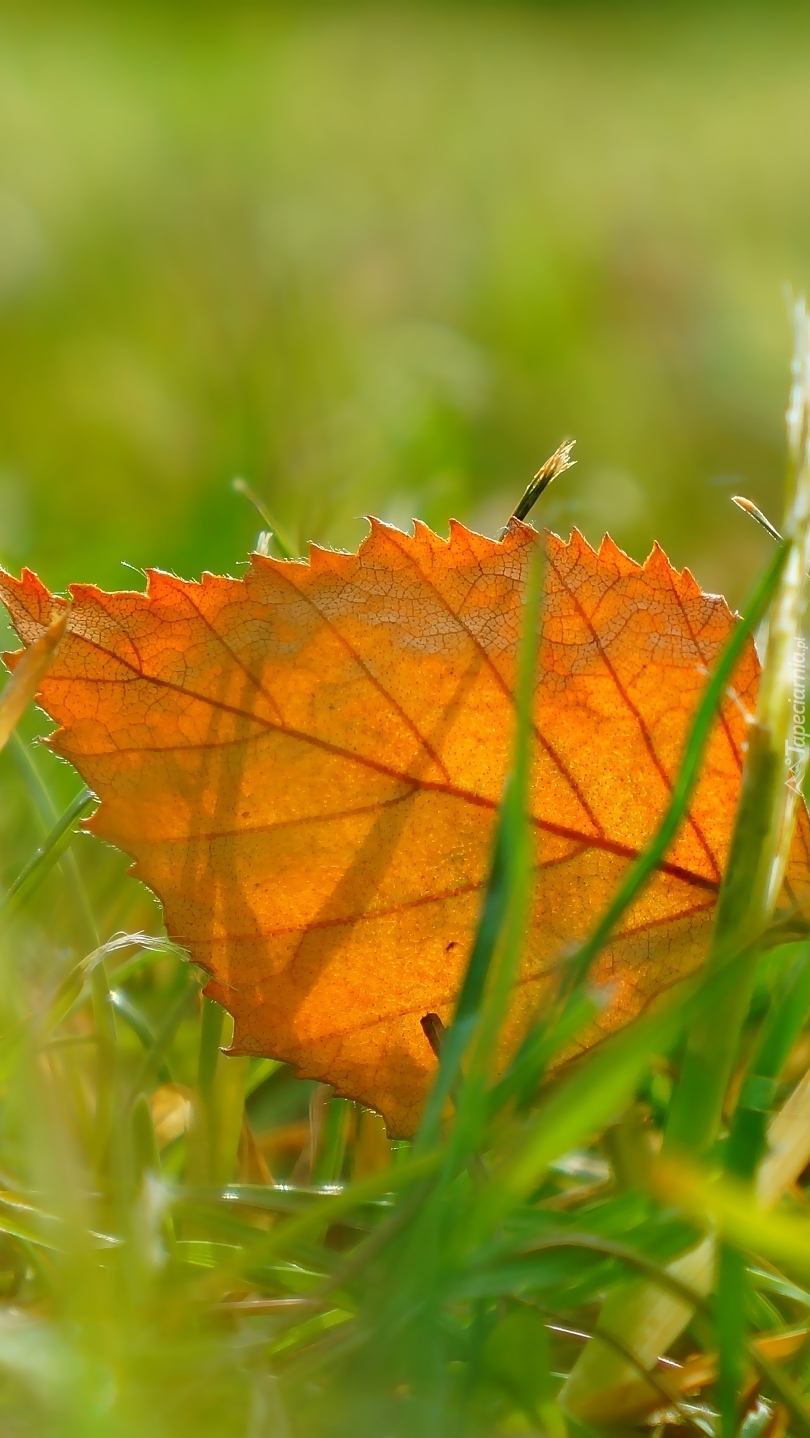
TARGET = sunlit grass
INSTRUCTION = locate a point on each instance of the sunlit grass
(196, 1243)
(384, 258)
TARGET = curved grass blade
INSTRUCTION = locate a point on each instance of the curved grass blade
(524, 1074)
(156, 1055)
(274, 535)
(515, 848)
(526, 1071)
(598, 1086)
(334, 1206)
(132, 1016)
(47, 854)
(25, 680)
(67, 1002)
(747, 1139)
(613, 1248)
(769, 796)
(48, 814)
(260, 1070)
(782, 1388)
(689, 770)
(481, 1005)
(746, 1144)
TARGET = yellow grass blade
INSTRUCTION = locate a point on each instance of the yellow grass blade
(27, 677)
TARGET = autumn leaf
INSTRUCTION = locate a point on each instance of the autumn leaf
(305, 765)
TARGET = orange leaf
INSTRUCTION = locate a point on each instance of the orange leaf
(306, 763)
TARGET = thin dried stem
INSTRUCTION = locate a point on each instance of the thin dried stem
(556, 464)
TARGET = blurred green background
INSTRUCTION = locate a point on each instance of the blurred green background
(382, 258)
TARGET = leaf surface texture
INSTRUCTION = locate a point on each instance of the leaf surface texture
(306, 763)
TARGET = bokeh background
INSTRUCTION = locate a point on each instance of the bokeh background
(382, 258)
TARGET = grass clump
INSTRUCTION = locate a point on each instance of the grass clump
(196, 1243)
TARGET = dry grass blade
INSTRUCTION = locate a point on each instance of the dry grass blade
(556, 464)
(748, 507)
(26, 679)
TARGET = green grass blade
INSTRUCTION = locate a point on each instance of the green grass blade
(746, 1143)
(67, 1002)
(219, 1103)
(47, 854)
(213, 1019)
(459, 1035)
(528, 1066)
(48, 816)
(132, 1016)
(731, 1329)
(144, 1144)
(507, 886)
(106, 1059)
(329, 1208)
(782, 1388)
(516, 847)
(769, 797)
(745, 1147)
(164, 1036)
(640, 1262)
(597, 1087)
(328, 1162)
(260, 1069)
(277, 536)
(689, 771)
(540, 1046)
